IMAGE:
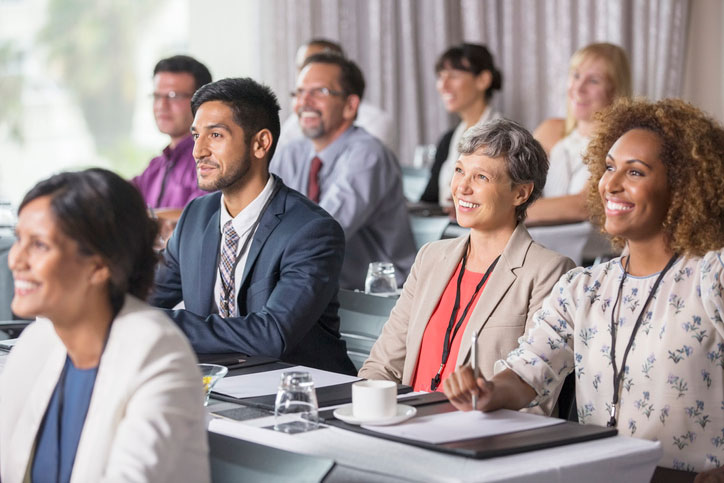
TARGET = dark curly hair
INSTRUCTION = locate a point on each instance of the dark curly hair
(105, 215)
(692, 149)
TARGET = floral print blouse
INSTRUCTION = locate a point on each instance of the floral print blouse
(673, 385)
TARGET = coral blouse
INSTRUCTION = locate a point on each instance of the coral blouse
(433, 338)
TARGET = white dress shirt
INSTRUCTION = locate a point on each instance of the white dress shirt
(567, 174)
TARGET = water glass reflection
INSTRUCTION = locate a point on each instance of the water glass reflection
(381, 279)
(296, 409)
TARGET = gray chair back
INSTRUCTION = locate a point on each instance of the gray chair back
(362, 317)
(428, 228)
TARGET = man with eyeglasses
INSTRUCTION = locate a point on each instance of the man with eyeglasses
(169, 181)
(346, 170)
(375, 121)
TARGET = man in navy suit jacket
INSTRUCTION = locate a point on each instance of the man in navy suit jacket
(285, 277)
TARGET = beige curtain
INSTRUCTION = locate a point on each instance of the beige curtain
(396, 43)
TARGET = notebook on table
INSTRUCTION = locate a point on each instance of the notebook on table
(558, 434)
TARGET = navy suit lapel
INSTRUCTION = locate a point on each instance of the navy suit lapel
(269, 220)
(209, 261)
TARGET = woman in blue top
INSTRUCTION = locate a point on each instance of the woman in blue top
(101, 387)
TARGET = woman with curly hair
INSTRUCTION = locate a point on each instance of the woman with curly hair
(643, 332)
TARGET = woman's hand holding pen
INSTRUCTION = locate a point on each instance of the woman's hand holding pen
(505, 391)
(461, 386)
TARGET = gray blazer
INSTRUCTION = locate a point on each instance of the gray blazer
(523, 277)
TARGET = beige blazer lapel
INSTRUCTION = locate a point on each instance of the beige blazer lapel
(497, 286)
(433, 277)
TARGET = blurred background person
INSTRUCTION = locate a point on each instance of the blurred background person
(101, 387)
(498, 273)
(346, 170)
(644, 331)
(599, 74)
(370, 117)
(466, 80)
(169, 181)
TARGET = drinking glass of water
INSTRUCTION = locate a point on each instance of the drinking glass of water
(381, 279)
(296, 409)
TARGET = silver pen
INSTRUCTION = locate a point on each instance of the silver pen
(474, 363)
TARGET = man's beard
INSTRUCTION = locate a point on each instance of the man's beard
(315, 131)
(240, 169)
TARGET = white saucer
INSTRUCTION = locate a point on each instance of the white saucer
(404, 412)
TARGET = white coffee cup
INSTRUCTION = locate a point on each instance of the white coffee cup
(374, 399)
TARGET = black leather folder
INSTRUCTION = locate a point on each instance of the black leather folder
(490, 446)
(240, 364)
(234, 360)
(326, 396)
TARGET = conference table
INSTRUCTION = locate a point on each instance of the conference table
(352, 456)
(362, 457)
(618, 458)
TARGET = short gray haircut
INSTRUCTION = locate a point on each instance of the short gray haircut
(525, 158)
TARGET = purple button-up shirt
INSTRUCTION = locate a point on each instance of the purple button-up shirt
(170, 179)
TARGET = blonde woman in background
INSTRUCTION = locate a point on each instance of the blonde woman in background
(599, 74)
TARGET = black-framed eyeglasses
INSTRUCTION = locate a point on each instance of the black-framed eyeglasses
(171, 96)
(316, 92)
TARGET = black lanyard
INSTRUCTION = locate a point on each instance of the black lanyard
(618, 374)
(226, 289)
(447, 343)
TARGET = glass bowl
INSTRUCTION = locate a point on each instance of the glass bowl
(210, 375)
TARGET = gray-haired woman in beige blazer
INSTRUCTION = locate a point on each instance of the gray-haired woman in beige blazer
(505, 274)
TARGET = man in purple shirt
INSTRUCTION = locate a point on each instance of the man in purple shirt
(169, 181)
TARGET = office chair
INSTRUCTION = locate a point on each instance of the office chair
(362, 317)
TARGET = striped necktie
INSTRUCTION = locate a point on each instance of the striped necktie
(313, 192)
(227, 298)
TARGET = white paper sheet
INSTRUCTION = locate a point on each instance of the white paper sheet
(266, 383)
(459, 425)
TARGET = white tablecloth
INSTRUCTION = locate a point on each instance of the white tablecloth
(617, 459)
